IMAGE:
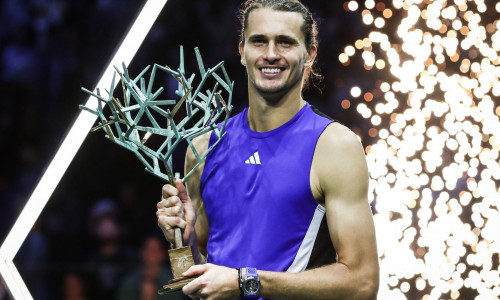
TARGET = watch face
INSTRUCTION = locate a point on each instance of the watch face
(252, 286)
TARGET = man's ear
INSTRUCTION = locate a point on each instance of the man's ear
(311, 56)
(240, 50)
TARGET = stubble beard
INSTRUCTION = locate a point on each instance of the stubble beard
(274, 94)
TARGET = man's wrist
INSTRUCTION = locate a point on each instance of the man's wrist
(192, 242)
(193, 238)
(240, 281)
(250, 282)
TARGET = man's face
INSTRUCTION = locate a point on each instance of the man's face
(274, 51)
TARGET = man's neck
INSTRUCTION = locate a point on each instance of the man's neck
(265, 115)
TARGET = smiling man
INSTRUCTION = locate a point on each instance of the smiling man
(279, 209)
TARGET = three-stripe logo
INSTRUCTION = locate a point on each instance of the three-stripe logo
(254, 159)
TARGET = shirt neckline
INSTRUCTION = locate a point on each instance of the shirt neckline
(261, 135)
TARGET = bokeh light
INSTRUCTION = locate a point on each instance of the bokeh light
(434, 158)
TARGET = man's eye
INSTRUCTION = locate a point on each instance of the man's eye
(258, 42)
(285, 43)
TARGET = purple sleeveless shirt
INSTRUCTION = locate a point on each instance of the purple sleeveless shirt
(258, 199)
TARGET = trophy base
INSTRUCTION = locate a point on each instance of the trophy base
(175, 285)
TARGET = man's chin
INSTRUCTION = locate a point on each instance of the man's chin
(271, 89)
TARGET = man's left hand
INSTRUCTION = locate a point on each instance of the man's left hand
(214, 282)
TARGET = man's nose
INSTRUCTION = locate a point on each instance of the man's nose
(272, 53)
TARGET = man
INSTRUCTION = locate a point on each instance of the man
(279, 209)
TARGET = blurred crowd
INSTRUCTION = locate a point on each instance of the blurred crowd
(97, 238)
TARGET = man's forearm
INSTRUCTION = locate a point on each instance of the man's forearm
(335, 281)
(198, 257)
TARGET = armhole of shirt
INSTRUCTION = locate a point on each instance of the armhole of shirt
(211, 141)
(331, 121)
(323, 252)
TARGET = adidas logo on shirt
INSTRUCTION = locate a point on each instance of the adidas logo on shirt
(254, 159)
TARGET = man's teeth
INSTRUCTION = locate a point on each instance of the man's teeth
(271, 70)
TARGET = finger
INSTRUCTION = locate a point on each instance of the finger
(192, 289)
(168, 202)
(168, 191)
(173, 211)
(167, 222)
(196, 270)
(181, 189)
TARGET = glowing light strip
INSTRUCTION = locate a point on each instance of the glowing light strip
(12, 278)
(126, 51)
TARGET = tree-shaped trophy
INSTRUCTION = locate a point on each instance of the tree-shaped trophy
(146, 126)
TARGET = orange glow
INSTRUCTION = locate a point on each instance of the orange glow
(346, 104)
(368, 97)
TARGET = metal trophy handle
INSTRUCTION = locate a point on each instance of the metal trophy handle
(181, 259)
(146, 126)
(178, 238)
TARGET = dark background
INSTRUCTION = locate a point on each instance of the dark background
(49, 50)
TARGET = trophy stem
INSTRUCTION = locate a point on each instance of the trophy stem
(181, 259)
(178, 238)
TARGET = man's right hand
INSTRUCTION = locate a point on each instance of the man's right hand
(176, 210)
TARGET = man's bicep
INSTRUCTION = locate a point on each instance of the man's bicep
(201, 225)
(344, 182)
(193, 186)
(352, 232)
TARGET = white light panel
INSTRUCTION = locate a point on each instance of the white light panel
(84, 122)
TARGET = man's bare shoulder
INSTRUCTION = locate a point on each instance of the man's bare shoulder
(338, 151)
(338, 137)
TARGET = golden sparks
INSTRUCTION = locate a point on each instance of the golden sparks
(434, 165)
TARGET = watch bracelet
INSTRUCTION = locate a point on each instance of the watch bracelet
(240, 282)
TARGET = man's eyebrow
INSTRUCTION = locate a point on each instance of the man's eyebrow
(281, 37)
(256, 37)
(287, 38)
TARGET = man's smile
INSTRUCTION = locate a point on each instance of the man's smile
(271, 71)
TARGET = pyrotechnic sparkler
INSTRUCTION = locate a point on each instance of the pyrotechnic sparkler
(434, 165)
